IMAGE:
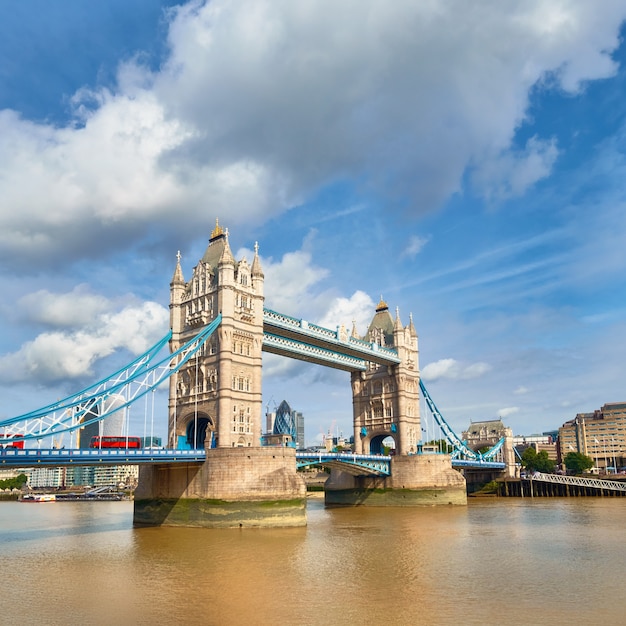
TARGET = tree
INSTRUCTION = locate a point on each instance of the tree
(441, 444)
(577, 462)
(535, 461)
(14, 483)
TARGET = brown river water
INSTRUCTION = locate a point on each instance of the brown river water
(497, 561)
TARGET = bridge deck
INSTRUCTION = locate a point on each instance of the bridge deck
(35, 458)
(351, 463)
(376, 464)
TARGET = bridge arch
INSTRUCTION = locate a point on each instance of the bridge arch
(378, 441)
(198, 429)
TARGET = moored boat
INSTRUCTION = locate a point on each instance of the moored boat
(39, 497)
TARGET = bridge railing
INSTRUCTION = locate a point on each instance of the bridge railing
(580, 481)
(364, 463)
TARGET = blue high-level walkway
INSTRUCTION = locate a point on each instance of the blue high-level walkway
(299, 339)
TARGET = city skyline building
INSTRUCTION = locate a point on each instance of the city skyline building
(600, 435)
(113, 426)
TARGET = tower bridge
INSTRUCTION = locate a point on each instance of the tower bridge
(219, 329)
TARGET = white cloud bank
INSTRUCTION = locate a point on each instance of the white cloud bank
(260, 103)
(71, 353)
(452, 369)
(83, 327)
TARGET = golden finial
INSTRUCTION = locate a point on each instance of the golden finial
(217, 231)
(382, 305)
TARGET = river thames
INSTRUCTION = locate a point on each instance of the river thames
(497, 561)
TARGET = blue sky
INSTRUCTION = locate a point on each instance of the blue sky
(463, 160)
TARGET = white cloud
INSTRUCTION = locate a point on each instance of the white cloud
(521, 391)
(511, 173)
(475, 370)
(358, 309)
(506, 412)
(260, 103)
(444, 368)
(289, 282)
(452, 369)
(77, 307)
(60, 355)
(415, 245)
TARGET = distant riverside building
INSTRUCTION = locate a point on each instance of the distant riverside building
(50, 477)
(67, 477)
(151, 442)
(544, 442)
(600, 435)
(7, 474)
(340, 442)
(285, 423)
(116, 475)
(486, 434)
(112, 426)
(299, 430)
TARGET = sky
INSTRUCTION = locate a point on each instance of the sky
(464, 161)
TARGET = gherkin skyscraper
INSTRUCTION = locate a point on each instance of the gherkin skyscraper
(285, 422)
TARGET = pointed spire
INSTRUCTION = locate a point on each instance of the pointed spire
(256, 263)
(227, 255)
(411, 326)
(397, 324)
(354, 332)
(178, 279)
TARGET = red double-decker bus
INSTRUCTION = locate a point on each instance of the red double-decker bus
(11, 443)
(115, 442)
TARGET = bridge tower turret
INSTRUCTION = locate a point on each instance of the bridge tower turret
(386, 399)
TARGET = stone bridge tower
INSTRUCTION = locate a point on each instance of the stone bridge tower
(215, 401)
(386, 399)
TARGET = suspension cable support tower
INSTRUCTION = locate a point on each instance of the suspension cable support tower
(88, 406)
(460, 446)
